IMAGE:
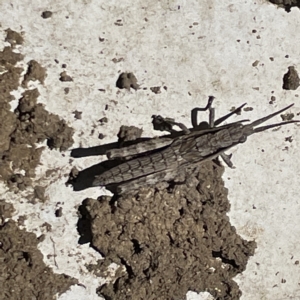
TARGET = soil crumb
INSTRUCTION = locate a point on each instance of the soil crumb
(155, 89)
(29, 124)
(168, 241)
(77, 114)
(129, 133)
(6, 210)
(47, 14)
(291, 79)
(13, 37)
(127, 81)
(64, 77)
(24, 275)
(34, 72)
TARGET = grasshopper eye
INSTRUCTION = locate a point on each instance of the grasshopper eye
(243, 139)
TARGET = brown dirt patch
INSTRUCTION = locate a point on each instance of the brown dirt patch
(24, 275)
(168, 241)
(29, 124)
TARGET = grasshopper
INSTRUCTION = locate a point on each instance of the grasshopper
(169, 157)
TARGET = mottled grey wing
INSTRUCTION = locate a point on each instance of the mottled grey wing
(155, 179)
(141, 166)
(136, 149)
(195, 149)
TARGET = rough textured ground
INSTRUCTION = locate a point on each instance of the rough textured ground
(180, 53)
(168, 242)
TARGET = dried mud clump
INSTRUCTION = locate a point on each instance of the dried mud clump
(40, 125)
(6, 210)
(34, 72)
(169, 241)
(64, 77)
(13, 37)
(129, 133)
(155, 89)
(47, 14)
(291, 79)
(24, 275)
(127, 81)
(29, 124)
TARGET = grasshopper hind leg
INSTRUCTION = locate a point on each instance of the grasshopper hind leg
(226, 158)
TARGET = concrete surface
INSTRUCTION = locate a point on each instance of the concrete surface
(196, 49)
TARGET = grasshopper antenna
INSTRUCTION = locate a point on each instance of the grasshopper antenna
(264, 119)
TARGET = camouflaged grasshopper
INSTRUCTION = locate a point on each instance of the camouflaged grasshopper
(166, 158)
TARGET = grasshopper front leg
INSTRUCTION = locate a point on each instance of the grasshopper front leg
(166, 124)
(212, 122)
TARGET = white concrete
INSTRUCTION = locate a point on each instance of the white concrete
(206, 59)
